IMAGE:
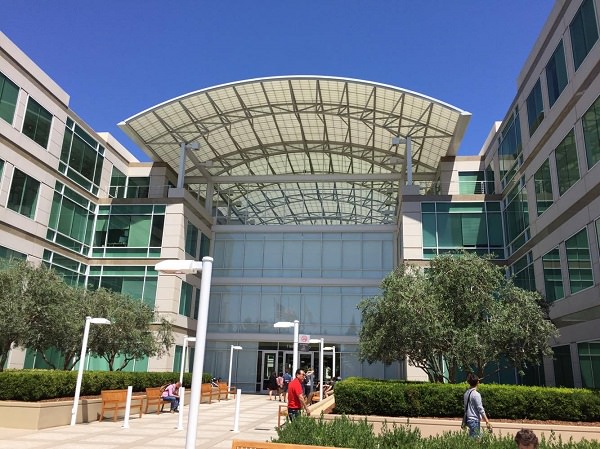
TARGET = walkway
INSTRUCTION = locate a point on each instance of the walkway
(258, 419)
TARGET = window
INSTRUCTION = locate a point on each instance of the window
(185, 299)
(578, 260)
(191, 240)
(535, 108)
(471, 182)
(136, 281)
(138, 187)
(516, 216)
(556, 74)
(509, 148)
(9, 93)
(543, 187)
(591, 133)
(584, 32)
(553, 276)
(81, 157)
(523, 274)
(117, 184)
(23, 194)
(567, 167)
(37, 123)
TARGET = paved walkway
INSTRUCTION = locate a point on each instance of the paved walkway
(258, 419)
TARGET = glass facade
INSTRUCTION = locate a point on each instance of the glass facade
(185, 299)
(535, 108)
(509, 148)
(471, 182)
(136, 281)
(516, 217)
(451, 227)
(567, 167)
(118, 181)
(553, 275)
(23, 194)
(9, 93)
(523, 274)
(579, 262)
(556, 74)
(563, 371)
(71, 220)
(304, 254)
(72, 271)
(129, 231)
(589, 361)
(543, 188)
(591, 133)
(81, 157)
(37, 123)
(584, 32)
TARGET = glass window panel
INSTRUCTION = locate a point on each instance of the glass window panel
(579, 262)
(9, 92)
(23, 194)
(556, 74)
(591, 133)
(139, 234)
(450, 230)
(567, 166)
(584, 32)
(543, 187)
(37, 123)
(535, 108)
(552, 275)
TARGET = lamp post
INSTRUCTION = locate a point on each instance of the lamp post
(332, 348)
(86, 332)
(233, 348)
(321, 342)
(191, 267)
(296, 325)
(186, 340)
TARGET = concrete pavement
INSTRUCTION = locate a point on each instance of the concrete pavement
(258, 419)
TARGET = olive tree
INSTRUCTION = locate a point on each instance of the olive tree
(462, 314)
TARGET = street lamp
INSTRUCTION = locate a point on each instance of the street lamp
(86, 332)
(296, 325)
(233, 348)
(191, 267)
(331, 348)
(186, 340)
(321, 342)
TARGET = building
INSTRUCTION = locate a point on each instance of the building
(307, 191)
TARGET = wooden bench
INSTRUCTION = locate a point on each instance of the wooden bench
(242, 444)
(282, 413)
(115, 400)
(154, 397)
(208, 391)
(225, 390)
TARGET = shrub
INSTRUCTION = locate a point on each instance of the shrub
(357, 396)
(36, 385)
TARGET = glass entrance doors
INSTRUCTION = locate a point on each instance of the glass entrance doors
(269, 364)
(306, 360)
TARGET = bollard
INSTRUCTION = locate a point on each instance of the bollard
(127, 407)
(181, 403)
(236, 418)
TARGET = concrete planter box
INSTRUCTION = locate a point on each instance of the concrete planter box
(42, 415)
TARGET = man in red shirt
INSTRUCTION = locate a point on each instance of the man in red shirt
(296, 401)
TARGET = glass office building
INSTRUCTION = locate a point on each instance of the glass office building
(307, 191)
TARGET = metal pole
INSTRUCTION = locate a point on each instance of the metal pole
(186, 344)
(236, 418)
(334, 376)
(296, 336)
(181, 173)
(86, 332)
(322, 345)
(181, 404)
(409, 168)
(190, 438)
(229, 377)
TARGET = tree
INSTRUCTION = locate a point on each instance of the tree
(135, 331)
(460, 315)
(12, 307)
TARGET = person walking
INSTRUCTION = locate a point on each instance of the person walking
(295, 397)
(287, 378)
(272, 385)
(473, 407)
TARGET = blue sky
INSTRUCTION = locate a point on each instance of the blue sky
(117, 58)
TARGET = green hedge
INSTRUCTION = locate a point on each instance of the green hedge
(341, 432)
(358, 396)
(37, 385)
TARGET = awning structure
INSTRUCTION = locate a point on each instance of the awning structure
(301, 149)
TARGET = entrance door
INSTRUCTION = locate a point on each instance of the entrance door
(306, 360)
(269, 364)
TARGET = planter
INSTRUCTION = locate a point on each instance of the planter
(42, 415)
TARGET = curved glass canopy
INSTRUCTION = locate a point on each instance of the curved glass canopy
(301, 149)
